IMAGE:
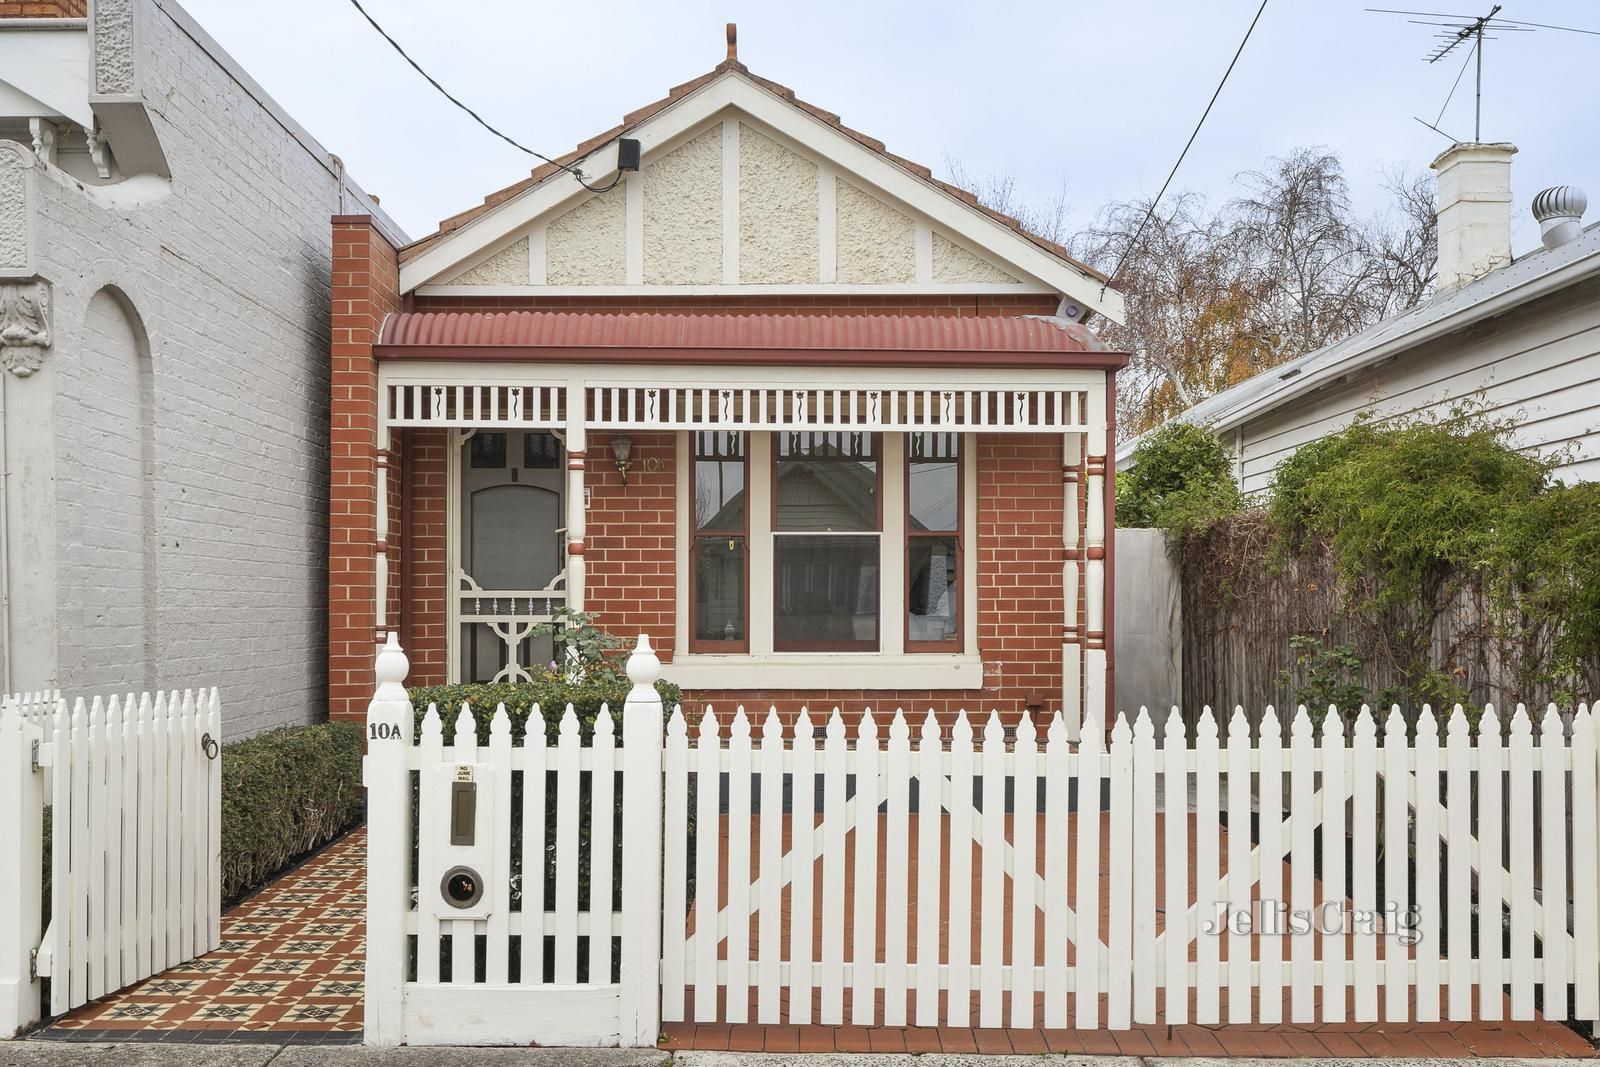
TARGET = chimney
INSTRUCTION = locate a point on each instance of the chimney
(1474, 208)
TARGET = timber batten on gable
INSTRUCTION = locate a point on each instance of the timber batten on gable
(744, 189)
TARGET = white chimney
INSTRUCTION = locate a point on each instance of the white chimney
(1474, 208)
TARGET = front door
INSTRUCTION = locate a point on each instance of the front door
(510, 567)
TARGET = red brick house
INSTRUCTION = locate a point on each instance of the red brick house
(824, 427)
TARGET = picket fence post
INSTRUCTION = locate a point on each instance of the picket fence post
(21, 873)
(386, 775)
(640, 1013)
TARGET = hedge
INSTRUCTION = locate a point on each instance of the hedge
(285, 793)
(550, 691)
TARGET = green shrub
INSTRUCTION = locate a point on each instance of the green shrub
(550, 691)
(1420, 515)
(285, 793)
(1181, 479)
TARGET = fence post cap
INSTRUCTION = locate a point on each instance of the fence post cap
(392, 664)
(644, 666)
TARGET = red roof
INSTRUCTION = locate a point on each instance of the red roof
(756, 338)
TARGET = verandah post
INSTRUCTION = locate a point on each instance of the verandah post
(641, 850)
(22, 872)
(387, 776)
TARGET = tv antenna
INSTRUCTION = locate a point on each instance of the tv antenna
(1454, 30)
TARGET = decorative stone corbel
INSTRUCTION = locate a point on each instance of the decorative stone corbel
(24, 325)
(99, 152)
(43, 132)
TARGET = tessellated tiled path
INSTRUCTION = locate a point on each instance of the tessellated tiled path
(289, 968)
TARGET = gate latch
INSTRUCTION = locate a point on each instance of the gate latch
(208, 745)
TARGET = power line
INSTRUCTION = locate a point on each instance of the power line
(1126, 252)
(507, 138)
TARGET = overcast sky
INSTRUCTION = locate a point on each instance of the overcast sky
(1100, 96)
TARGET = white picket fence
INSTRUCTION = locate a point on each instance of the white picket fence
(904, 873)
(133, 785)
(1052, 925)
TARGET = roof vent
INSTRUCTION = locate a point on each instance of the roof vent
(1559, 210)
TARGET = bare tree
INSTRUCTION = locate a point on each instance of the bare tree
(998, 192)
(1216, 295)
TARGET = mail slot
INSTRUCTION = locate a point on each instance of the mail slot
(463, 812)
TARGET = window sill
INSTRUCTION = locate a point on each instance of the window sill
(826, 670)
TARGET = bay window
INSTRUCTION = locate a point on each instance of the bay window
(800, 542)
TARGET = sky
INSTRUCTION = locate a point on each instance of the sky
(1095, 99)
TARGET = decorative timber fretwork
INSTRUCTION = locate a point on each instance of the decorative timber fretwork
(689, 407)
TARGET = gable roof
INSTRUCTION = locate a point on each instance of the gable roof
(546, 171)
(1533, 276)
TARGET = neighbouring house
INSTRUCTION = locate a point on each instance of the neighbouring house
(826, 429)
(164, 332)
(1517, 338)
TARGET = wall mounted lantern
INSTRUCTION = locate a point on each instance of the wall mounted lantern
(622, 452)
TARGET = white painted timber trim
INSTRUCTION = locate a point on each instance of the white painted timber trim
(633, 232)
(730, 201)
(753, 289)
(734, 90)
(828, 227)
(840, 670)
(538, 259)
(923, 240)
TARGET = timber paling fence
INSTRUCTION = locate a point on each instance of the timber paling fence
(908, 871)
(1242, 604)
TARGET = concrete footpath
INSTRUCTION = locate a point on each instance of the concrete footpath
(158, 1054)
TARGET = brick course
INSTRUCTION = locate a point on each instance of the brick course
(44, 9)
(366, 286)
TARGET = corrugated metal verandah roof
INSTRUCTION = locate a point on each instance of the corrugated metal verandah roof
(1034, 341)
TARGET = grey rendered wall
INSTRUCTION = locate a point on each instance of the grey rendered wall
(185, 393)
(1149, 626)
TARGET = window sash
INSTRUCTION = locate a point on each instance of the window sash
(957, 589)
(704, 447)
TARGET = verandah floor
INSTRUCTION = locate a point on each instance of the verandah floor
(290, 967)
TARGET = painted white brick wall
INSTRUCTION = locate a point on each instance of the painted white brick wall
(228, 277)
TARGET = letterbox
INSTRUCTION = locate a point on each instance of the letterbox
(466, 852)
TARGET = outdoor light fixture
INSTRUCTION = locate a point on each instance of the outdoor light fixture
(622, 451)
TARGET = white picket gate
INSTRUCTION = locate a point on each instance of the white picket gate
(133, 787)
(472, 968)
(902, 873)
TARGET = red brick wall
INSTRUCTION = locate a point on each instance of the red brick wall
(814, 305)
(44, 9)
(631, 552)
(365, 286)
(425, 571)
(630, 544)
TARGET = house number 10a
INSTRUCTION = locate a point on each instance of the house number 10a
(384, 731)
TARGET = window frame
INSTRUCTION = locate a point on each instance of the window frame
(875, 645)
(956, 643)
(696, 643)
